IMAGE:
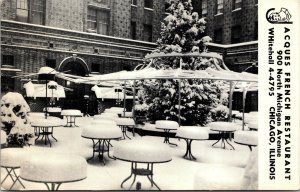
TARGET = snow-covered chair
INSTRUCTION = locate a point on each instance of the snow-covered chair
(224, 177)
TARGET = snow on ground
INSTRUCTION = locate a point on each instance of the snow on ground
(177, 174)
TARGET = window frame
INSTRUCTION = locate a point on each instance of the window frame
(150, 37)
(5, 58)
(133, 30)
(236, 30)
(98, 22)
(221, 10)
(31, 11)
(133, 2)
(237, 5)
(204, 2)
(148, 4)
(220, 30)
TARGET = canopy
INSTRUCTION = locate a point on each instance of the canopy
(39, 90)
(109, 92)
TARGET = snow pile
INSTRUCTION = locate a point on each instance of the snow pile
(246, 137)
(103, 122)
(219, 177)
(142, 151)
(53, 167)
(192, 132)
(49, 122)
(103, 131)
(71, 112)
(253, 125)
(39, 90)
(250, 117)
(165, 124)
(223, 126)
(125, 121)
(12, 157)
(47, 70)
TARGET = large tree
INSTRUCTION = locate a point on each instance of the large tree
(182, 32)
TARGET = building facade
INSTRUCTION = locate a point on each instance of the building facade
(84, 37)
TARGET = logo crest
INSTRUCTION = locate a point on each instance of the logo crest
(281, 17)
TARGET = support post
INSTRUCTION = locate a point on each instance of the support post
(179, 102)
(230, 101)
(133, 104)
(124, 94)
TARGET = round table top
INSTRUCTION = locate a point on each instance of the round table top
(142, 151)
(71, 112)
(253, 125)
(125, 121)
(53, 167)
(12, 157)
(103, 131)
(223, 126)
(166, 124)
(246, 137)
(192, 132)
(49, 122)
(53, 109)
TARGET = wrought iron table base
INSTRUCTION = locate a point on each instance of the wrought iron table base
(167, 138)
(142, 172)
(45, 132)
(54, 186)
(223, 139)
(70, 122)
(99, 147)
(124, 131)
(14, 177)
(188, 153)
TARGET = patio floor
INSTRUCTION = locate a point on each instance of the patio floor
(175, 175)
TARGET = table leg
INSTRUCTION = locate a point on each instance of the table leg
(218, 140)
(75, 122)
(94, 145)
(52, 134)
(188, 153)
(14, 177)
(167, 138)
(38, 128)
(54, 186)
(107, 145)
(128, 176)
(223, 139)
(124, 131)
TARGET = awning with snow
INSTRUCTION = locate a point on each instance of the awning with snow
(110, 93)
(39, 90)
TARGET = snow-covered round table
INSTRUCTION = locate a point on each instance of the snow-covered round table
(253, 125)
(11, 159)
(54, 169)
(103, 132)
(249, 138)
(224, 129)
(190, 133)
(124, 123)
(71, 115)
(45, 127)
(141, 151)
(167, 126)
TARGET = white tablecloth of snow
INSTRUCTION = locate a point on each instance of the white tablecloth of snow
(252, 116)
(125, 121)
(234, 112)
(151, 127)
(71, 112)
(218, 177)
(49, 122)
(166, 124)
(142, 151)
(106, 131)
(253, 125)
(223, 126)
(3, 137)
(114, 110)
(36, 114)
(110, 114)
(127, 114)
(246, 137)
(53, 167)
(12, 157)
(192, 132)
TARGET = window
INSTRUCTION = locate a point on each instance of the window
(148, 33)
(8, 60)
(31, 11)
(134, 2)
(148, 4)
(218, 36)
(51, 63)
(219, 7)
(236, 34)
(237, 4)
(133, 30)
(95, 67)
(204, 8)
(98, 21)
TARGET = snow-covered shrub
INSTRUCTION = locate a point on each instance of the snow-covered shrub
(14, 110)
(220, 113)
